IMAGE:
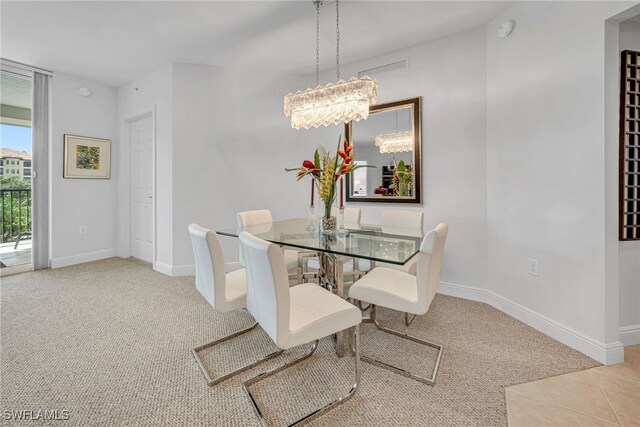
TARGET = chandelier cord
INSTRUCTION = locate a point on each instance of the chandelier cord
(337, 41)
(317, 42)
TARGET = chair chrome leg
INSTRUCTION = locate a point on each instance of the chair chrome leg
(213, 381)
(363, 309)
(431, 381)
(325, 408)
(406, 319)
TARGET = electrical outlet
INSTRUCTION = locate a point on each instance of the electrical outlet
(533, 267)
(83, 230)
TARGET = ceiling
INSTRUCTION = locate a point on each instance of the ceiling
(114, 42)
(634, 19)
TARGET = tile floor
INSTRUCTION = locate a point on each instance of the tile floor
(10, 257)
(602, 396)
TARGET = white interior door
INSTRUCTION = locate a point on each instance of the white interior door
(141, 173)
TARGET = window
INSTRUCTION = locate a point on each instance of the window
(26, 172)
(1, 162)
(26, 163)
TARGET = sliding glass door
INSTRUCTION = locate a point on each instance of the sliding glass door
(16, 220)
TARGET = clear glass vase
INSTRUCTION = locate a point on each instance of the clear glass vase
(328, 225)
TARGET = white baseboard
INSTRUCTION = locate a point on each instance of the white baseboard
(462, 291)
(186, 270)
(608, 354)
(174, 270)
(163, 268)
(630, 335)
(82, 258)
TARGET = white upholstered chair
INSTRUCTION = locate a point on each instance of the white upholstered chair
(224, 292)
(263, 216)
(292, 316)
(405, 292)
(393, 220)
(351, 216)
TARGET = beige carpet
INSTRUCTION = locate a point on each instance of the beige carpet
(110, 342)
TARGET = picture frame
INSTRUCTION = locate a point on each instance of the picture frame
(86, 157)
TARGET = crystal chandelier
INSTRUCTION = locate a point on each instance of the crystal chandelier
(395, 142)
(335, 103)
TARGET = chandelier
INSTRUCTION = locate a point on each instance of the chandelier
(335, 103)
(395, 142)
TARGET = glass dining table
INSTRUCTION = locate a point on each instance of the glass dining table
(391, 245)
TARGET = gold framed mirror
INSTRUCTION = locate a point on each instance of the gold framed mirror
(391, 140)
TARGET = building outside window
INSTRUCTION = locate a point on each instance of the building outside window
(19, 160)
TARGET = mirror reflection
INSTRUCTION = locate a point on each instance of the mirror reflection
(389, 140)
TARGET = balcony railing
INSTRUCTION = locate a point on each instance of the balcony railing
(15, 214)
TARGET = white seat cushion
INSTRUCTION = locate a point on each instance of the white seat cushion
(236, 289)
(291, 258)
(387, 288)
(316, 313)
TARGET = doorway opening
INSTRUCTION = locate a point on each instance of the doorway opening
(142, 234)
(16, 98)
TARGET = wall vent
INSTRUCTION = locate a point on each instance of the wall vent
(393, 66)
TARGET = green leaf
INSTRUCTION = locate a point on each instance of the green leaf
(401, 166)
(316, 159)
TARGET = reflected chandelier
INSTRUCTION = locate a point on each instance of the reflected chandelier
(334, 103)
(395, 142)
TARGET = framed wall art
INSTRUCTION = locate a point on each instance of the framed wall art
(86, 157)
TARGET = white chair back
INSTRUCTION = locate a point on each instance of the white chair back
(402, 219)
(267, 286)
(210, 267)
(351, 215)
(249, 218)
(429, 263)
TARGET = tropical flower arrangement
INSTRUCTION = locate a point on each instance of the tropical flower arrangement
(326, 169)
(401, 180)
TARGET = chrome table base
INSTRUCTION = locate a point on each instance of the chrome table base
(317, 412)
(331, 277)
(212, 380)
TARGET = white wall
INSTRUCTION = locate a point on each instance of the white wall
(629, 38)
(229, 134)
(232, 143)
(152, 92)
(546, 169)
(449, 74)
(76, 202)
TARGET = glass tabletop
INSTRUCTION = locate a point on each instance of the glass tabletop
(394, 245)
